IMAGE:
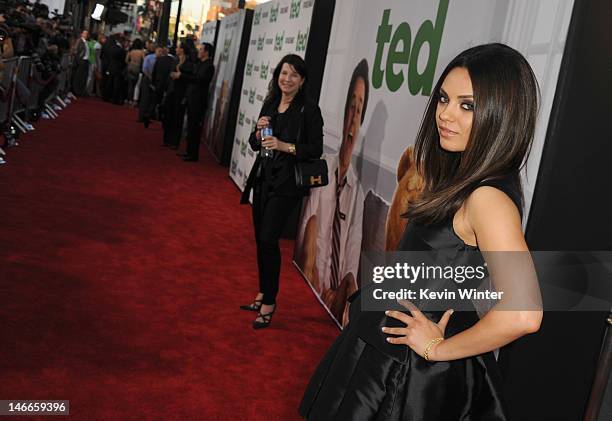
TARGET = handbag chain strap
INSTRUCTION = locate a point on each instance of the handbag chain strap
(297, 139)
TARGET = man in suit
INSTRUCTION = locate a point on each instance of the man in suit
(116, 69)
(197, 100)
(147, 102)
(160, 78)
(81, 65)
(107, 87)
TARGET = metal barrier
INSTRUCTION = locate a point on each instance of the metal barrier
(65, 75)
(21, 87)
(7, 87)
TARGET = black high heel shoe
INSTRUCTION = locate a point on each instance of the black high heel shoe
(254, 306)
(267, 319)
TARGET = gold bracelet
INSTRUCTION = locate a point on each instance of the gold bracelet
(291, 148)
(429, 345)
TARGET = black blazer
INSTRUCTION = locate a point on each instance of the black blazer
(199, 82)
(301, 124)
(80, 50)
(116, 64)
(178, 87)
(161, 73)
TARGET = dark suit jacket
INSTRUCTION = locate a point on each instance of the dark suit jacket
(81, 48)
(161, 73)
(199, 83)
(178, 87)
(117, 59)
(105, 55)
(301, 124)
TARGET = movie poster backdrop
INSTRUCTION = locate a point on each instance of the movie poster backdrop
(280, 27)
(396, 50)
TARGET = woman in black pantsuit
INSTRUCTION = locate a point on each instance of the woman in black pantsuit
(297, 135)
(174, 103)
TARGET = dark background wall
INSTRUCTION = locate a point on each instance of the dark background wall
(548, 376)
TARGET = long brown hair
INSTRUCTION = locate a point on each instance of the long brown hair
(506, 98)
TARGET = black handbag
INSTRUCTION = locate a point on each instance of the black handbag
(311, 173)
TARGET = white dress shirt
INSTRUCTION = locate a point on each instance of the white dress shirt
(322, 203)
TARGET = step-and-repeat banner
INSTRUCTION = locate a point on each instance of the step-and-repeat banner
(209, 30)
(226, 59)
(394, 50)
(279, 28)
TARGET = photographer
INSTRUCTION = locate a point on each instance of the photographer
(6, 43)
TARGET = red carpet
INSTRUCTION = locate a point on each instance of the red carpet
(121, 272)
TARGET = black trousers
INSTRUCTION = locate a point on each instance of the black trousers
(107, 86)
(146, 102)
(174, 115)
(195, 120)
(269, 218)
(118, 88)
(79, 78)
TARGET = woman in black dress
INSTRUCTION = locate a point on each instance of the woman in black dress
(474, 138)
(175, 100)
(297, 135)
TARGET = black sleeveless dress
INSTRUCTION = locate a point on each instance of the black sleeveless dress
(363, 377)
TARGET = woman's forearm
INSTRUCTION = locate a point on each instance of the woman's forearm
(494, 330)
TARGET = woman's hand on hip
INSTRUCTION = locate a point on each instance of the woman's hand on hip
(419, 330)
(274, 143)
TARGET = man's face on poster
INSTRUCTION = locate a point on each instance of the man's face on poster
(352, 121)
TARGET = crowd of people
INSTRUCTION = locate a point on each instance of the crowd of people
(168, 85)
(108, 66)
(28, 30)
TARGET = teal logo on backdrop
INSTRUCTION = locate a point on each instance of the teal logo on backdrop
(260, 42)
(402, 53)
(263, 72)
(295, 9)
(254, 125)
(257, 17)
(274, 13)
(252, 96)
(241, 118)
(249, 68)
(279, 41)
(234, 165)
(227, 44)
(302, 41)
(243, 148)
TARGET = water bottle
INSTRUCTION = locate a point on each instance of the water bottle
(266, 132)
